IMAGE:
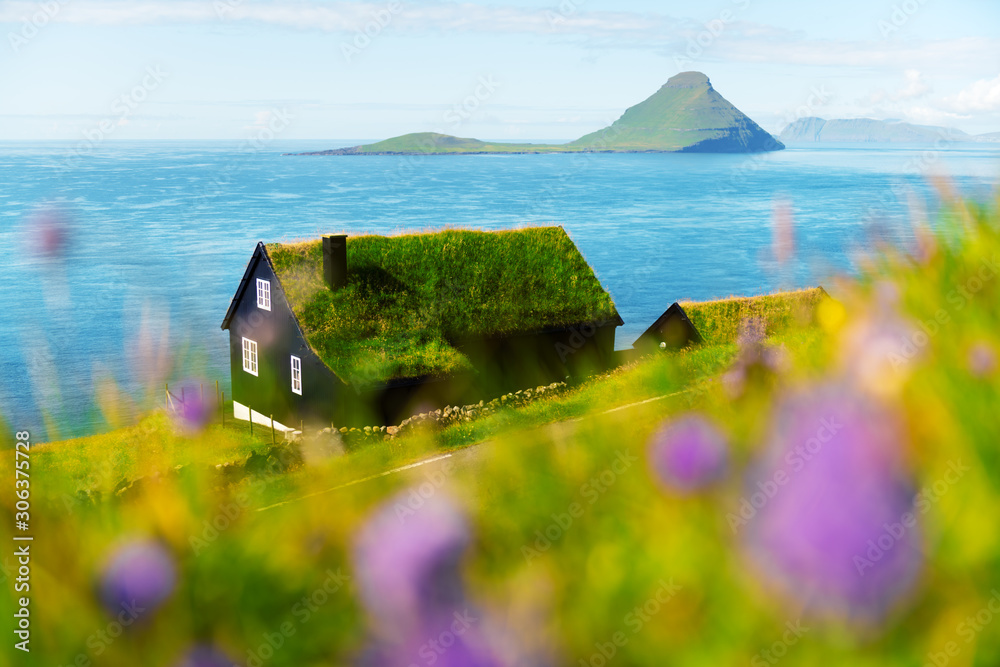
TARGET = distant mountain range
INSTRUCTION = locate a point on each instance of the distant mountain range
(869, 130)
(686, 115)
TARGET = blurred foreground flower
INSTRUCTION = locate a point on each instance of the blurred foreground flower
(833, 523)
(982, 359)
(878, 351)
(139, 576)
(688, 454)
(757, 363)
(49, 232)
(206, 656)
(191, 408)
(408, 569)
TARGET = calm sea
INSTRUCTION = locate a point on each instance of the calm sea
(133, 294)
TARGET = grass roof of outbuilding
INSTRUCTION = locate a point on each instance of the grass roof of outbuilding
(719, 320)
(408, 298)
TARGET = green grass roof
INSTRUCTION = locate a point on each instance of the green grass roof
(719, 321)
(408, 297)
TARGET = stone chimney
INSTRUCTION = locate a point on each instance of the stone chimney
(335, 261)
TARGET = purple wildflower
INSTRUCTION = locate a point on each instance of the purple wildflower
(757, 363)
(49, 231)
(753, 331)
(192, 408)
(204, 655)
(688, 454)
(408, 559)
(141, 574)
(835, 525)
(407, 562)
(982, 359)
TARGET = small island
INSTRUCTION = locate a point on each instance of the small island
(686, 115)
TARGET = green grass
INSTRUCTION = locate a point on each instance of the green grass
(408, 296)
(153, 445)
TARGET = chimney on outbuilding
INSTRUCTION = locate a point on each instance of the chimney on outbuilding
(335, 261)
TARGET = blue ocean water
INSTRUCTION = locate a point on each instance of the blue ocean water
(156, 237)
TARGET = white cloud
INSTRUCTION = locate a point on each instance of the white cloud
(349, 16)
(674, 38)
(983, 95)
(915, 87)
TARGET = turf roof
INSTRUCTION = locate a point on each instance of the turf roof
(408, 297)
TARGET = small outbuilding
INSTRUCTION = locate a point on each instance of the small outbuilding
(672, 330)
(370, 329)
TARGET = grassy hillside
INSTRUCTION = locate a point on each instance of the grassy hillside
(407, 296)
(432, 143)
(837, 508)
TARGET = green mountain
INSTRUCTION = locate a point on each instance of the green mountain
(685, 115)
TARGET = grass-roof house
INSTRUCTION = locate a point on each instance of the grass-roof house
(362, 329)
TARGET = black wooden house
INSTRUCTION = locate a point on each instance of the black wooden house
(369, 329)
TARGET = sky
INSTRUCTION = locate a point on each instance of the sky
(547, 70)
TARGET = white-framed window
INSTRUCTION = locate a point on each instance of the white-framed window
(263, 294)
(296, 375)
(250, 356)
